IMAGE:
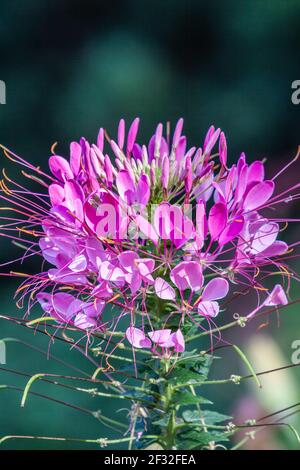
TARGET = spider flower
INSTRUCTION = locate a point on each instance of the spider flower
(155, 233)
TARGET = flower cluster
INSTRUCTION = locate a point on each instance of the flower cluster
(154, 234)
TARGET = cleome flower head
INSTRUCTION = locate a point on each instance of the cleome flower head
(154, 235)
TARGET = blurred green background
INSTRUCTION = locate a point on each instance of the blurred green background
(71, 66)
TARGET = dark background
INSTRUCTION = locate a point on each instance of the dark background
(71, 66)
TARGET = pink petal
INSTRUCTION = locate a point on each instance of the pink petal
(125, 185)
(145, 268)
(276, 249)
(180, 149)
(217, 220)
(256, 172)
(160, 152)
(164, 290)
(84, 322)
(109, 272)
(61, 303)
(60, 168)
(215, 289)
(187, 275)
(78, 264)
(45, 301)
(56, 193)
(258, 195)
(94, 309)
(75, 157)
(264, 237)
(135, 281)
(73, 191)
(231, 231)
(277, 297)
(162, 220)
(128, 260)
(146, 228)
(143, 191)
(178, 340)
(137, 338)
(208, 308)
(161, 337)
(242, 182)
(230, 180)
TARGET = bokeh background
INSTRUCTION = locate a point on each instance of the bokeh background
(73, 65)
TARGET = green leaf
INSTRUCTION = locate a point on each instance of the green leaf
(203, 365)
(183, 376)
(200, 439)
(193, 439)
(209, 417)
(218, 436)
(187, 398)
(138, 395)
(162, 422)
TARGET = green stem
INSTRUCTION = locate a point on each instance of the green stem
(216, 330)
(102, 441)
(168, 391)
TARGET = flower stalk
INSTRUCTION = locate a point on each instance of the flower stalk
(146, 249)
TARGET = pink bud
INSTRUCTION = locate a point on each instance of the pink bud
(100, 139)
(132, 135)
(210, 140)
(223, 149)
(95, 163)
(108, 170)
(165, 172)
(177, 132)
(189, 175)
(158, 136)
(115, 148)
(121, 133)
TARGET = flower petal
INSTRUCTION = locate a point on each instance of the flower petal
(178, 340)
(216, 289)
(163, 289)
(208, 308)
(217, 220)
(137, 338)
(231, 231)
(161, 337)
(258, 195)
(60, 168)
(277, 297)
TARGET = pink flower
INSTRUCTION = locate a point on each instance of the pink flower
(162, 338)
(215, 289)
(133, 192)
(187, 275)
(128, 223)
(163, 289)
(137, 338)
(66, 309)
(276, 297)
